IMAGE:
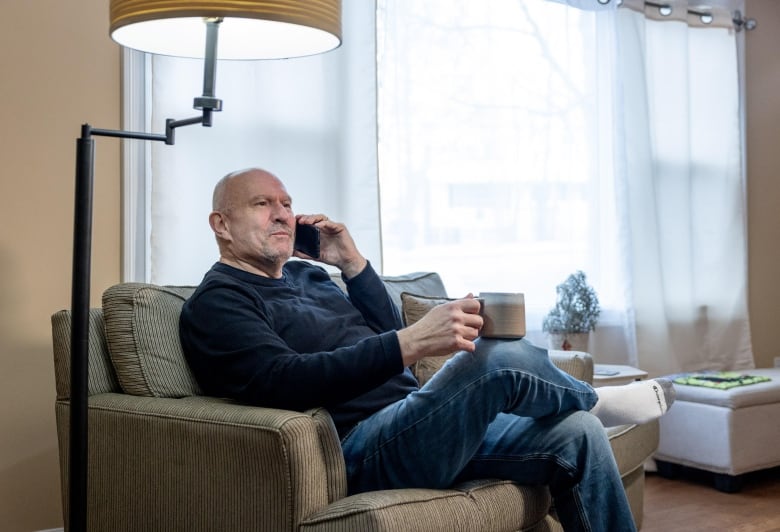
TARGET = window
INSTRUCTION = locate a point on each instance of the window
(500, 178)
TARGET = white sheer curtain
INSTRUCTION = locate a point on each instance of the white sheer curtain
(311, 121)
(684, 192)
(520, 141)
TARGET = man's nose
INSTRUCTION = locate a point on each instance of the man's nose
(281, 212)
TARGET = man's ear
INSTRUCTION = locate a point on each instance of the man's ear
(219, 225)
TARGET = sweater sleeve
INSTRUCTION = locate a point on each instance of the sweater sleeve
(369, 295)
(234, 352)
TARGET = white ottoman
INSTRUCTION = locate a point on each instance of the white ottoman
(727, 432)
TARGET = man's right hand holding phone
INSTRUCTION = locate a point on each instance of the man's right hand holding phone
(337, 248)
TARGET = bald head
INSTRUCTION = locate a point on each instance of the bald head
(229, 190)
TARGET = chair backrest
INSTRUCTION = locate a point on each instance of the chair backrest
(421, 283)
(134, 338)
(133, 343)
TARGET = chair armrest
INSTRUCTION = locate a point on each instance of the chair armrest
(206, 464)
(578, 364)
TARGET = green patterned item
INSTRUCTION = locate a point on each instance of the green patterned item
(721, 380)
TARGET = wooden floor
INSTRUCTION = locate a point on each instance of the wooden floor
(690, 503)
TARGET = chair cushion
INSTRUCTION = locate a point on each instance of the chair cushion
(494, 505)
(414, 307)
(142, 331)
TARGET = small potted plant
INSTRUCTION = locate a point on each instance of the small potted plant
(574, 316)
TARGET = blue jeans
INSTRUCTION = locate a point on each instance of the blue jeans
(504, 411)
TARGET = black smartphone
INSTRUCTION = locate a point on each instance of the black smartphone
(307, 240)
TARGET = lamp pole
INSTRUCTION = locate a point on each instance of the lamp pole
(78, 457)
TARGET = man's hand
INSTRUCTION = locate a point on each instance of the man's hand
(446, 328)
(336, 245)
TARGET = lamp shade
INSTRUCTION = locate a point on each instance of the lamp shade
(250, 29)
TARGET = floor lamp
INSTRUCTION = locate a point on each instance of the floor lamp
(217, 29)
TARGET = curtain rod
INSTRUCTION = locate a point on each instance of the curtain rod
(697, 16)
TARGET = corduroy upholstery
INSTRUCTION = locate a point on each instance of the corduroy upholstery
(138, 320)
(162, 457)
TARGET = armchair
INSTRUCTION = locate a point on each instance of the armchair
(164, 457)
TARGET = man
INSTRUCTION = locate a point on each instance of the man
(268, 331)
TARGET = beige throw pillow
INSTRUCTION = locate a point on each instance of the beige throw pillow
(413, 308)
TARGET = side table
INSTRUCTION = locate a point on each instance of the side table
(615, 375)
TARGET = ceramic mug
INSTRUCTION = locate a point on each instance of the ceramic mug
(503, 313)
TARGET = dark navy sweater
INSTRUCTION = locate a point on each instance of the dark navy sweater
(297, 342)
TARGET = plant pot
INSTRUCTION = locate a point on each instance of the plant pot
(568, 341)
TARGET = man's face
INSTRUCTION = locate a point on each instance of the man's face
(259, 222)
